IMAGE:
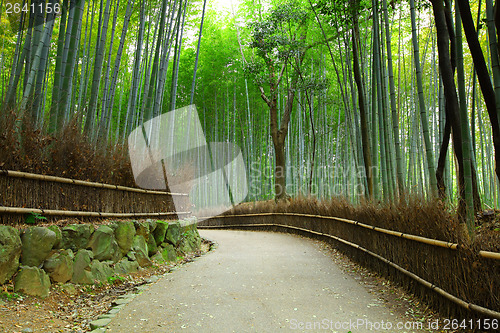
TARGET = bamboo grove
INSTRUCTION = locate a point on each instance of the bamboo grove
(367, 99)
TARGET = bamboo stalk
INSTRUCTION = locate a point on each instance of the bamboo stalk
(490, 255)
(420, 239)
(442, 292)
(25, 175)
(55, 212)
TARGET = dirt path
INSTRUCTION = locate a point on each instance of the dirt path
(257, 282)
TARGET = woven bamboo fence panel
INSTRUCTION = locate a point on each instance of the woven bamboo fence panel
(24, 190)
(469, 276)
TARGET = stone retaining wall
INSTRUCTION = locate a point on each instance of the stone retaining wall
(78, 253)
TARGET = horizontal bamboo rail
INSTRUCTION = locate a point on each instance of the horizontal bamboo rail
(442, 292)
(420, 239)
(55, 212)
(490, 255)
(25, 175)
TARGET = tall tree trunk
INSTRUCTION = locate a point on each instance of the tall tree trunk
(37, 35)
(17, 67)
(56, 87)
(28, 47)
(483, 76)
(423, 111)
(442, 163)
(494, 52)
(465, 130)
(443, 153)
(177, 55)
(118, 58)
(66, 87)
(377, 101)
(279, 132)
(191, 99)
(40, 79)
(30, 80)
(450, 92)
(365, 139)
(110, 96)
(131, 108)
(105, 116)
(165, 59)
(98, 62)
(15, 62)
(394, 109)
(154, 70)
(82, 91)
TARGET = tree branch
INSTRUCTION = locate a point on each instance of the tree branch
(264, 97)
(280, 76)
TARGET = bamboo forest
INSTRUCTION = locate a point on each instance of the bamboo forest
(368, 100)
(249, 165)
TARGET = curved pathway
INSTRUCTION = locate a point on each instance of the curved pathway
(256, 282)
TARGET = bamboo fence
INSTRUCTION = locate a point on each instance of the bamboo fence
(466, 275)
(430, 241)
(22, 193)
(26, 175)
(53, 212)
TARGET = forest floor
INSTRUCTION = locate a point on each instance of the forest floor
(72, 309)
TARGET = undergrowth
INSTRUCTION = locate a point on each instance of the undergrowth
(67, 153)
(417, 216)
